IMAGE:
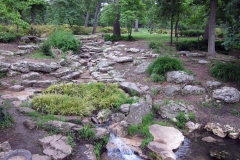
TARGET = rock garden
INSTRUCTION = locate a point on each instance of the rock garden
(93, 99)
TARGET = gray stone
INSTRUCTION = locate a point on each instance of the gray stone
(203, 62)
(133, 50)
(4, 66)
(179, 77)
(63, 62)
(117, 117)
(141, 68)
(31, 76)
(213, 84)
(100, 132)
(54, 66)
(7, 53)
(43, 84)
(21, 66)
(171, 110)
(192, 126)
(23, 52)
(85, 152)
(40, 157)
(41, 67)
(12, 73)
(97, 50)
(5, 147)
(125, 108)
(103, 115)
(189, 89)
(74, 75)
(57, 147)
(16, 88)
(63, 126)
(227, 94)
(137, 112)
(168, 90)
(62, 72)
(123, 59)
(209, 139)
(18, 154)
(118, 129)
(130, 88)
(28, 83)
(30, 124)
(25, 47)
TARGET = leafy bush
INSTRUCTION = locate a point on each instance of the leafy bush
(191, 33)
(3, 74)
(80, 30)
(86, 133)
(45, 48)
(162, 31)
(64, 40)
(164, 64)
(181, 120)
(157, 78)
(81, 100)
(155, 45)
(226, 72)
(124, 30)
(112, 38)
(6, 119)
(107, 29)
(200, 45)
(7, 37)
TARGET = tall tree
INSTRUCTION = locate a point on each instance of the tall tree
(212, 22)
(36, 5)
(96, 16)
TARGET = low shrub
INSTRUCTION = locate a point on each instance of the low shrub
(191, 33)
(7, 37)
(155, 45)
(107, 29)
(157, 78)
(81, 100)
(162, 31)
(164, 64)
(201, 45)
(181, 120)
(226, 72)
(64, 40)
(112, 38)
(6, 119)
(80, 30)
(45, 48)
(124, 30)
(87, 133)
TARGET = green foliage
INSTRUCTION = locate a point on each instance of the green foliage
(65, 41)
(6, 120)
(7, 37)
(157, 78)
(45, 48)
(226, 72)
(81, 100)
(181, 120)
(3, 74)
(87, 133)
(98, 147)
(40, 55)
(155, 45)
(107, 29)
(201, 45)
(162, 31)
(191, 33)
(192, 116)
(112, 38)
(80, 30)
(164, 64)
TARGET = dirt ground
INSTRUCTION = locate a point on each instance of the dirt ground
(20, 137)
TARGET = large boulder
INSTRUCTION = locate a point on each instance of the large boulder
(131, 88)
(170, 136)
(4, 66)
(62, 72)
(103, 116)
(21, 66)
(123, 59)
(41, 67)
(137, 112)
(85, 152)
(7, 53)
(194, 90)
(31, 76)
(179, 77)
(227, 94)
(141, 68)
(57, 147)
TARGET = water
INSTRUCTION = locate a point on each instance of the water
(123, 151)
(183, 150)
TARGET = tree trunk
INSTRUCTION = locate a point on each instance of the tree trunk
(171, 29)
(21, 13)
(136, 26)
(32, 16)
(96, 17)
(116, 26)
(86, 19)
(206, 31)
(176, 26)
(211, 38)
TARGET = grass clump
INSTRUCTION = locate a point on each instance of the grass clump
(80, 100)
(158, 68)
(156, 46)
(64, 40)
(45, 48)
(7, 37)
(181, 120)
(87, 133)
(6, 120)
(226, 72)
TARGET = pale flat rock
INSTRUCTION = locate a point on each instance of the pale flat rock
(141, 68)
(40, 157)
(6, 53)
(170, 136)
(179, 77)
(4, 66)
(25, 110)
(227, 94)
(123, 59)
(100, 132)
(16, 88)
(213, 84)
(17, 103)
(21, 66)
(194, 90)
(63, 126)
(31, 76)
(209, 139)
(40, 67)
(131, 88)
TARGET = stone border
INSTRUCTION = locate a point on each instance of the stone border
(18, 152)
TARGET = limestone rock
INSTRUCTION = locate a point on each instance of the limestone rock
(179, 77)
(42, 84)
(16, 88)
(21, 66)
(123, 59)
(117, 117)
(171, 110)
(168, 135)
(30, 124)
(137, 112)
(103, 116)
(209, 139)
(133, 50)
(100, 132)
(125, 108)
(39, 157)
(213, 84)
(192, 126)
(118, 129)
(5, 147)
(62, 72)
(168, 90)
(25, 110)
(4, 66)
(141, 68)
(31, 76)
(216, 129)
(227, 94)
(189, 89)
(56, 147)
(131, 88)
(12, 73)
(25, 47)
(85, 152)
(54, 66)
(7, 53)
(71, 76)
(41, 67)
(63, 126)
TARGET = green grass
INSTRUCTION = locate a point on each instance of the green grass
(143, 34)
(40, 55)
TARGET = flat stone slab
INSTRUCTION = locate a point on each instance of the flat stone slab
(227, 94)
(179, 77)
(123, 59)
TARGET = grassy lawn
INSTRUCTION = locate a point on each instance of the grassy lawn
(143, 34)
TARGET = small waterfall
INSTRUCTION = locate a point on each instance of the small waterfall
(123, 152)
(183, 150)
